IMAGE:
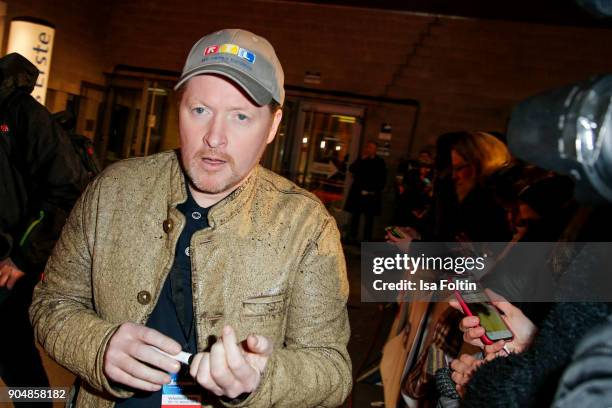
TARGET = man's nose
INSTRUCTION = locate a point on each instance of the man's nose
(215, 133)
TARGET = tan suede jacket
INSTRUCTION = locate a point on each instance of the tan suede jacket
(270, 263)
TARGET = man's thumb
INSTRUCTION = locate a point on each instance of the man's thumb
(259, 344)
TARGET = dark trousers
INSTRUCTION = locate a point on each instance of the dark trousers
(20, 362)
(367, 228)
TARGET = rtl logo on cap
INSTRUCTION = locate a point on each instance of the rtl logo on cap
(230, 49)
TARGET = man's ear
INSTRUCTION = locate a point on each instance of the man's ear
(276, 120)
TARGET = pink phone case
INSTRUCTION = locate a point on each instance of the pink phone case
(468, 312)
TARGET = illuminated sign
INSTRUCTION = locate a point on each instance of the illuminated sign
(33, 39)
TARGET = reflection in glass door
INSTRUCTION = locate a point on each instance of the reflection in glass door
(328, 141)
(120, 124)
(136, 117)
(157, 99)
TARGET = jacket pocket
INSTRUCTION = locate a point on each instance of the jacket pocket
(265, 316)
(264, 306)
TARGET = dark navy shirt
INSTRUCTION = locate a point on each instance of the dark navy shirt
(173, 313)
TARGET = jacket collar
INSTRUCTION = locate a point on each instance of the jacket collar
(225, 209)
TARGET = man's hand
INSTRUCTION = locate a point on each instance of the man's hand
(231, 369)
(9, 273)
(129, 356)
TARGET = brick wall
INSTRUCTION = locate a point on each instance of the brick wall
(466, 73)
(470, 73)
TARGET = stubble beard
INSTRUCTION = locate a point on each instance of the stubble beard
(211, 182)
(203, 181)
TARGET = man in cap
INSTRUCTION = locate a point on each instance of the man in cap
(206, 252)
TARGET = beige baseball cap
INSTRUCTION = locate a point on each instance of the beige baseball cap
(241, 56)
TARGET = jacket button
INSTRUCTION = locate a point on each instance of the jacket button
(168, 225)
(144, 297)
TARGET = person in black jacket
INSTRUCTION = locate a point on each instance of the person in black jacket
(463, 207)
(474, 157)
(365, 196)
(40, 179)
(531, 375)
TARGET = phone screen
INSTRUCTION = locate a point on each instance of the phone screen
(395, 232)
(490, 320)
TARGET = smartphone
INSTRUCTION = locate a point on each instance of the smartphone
(478, 304)
(395, 232)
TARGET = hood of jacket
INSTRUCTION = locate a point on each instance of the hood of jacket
(16, 72)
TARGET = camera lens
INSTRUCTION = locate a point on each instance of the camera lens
(568, 130)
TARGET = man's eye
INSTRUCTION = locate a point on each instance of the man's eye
(198, 110)
(241, 116)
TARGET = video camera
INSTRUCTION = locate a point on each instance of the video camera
(569, 129)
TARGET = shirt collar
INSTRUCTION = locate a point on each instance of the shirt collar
(225, 209)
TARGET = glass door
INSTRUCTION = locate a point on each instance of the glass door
(136, 120)
(327, 140)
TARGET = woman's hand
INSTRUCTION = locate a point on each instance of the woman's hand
(463, 369)
(409, 234)
(522, 328)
